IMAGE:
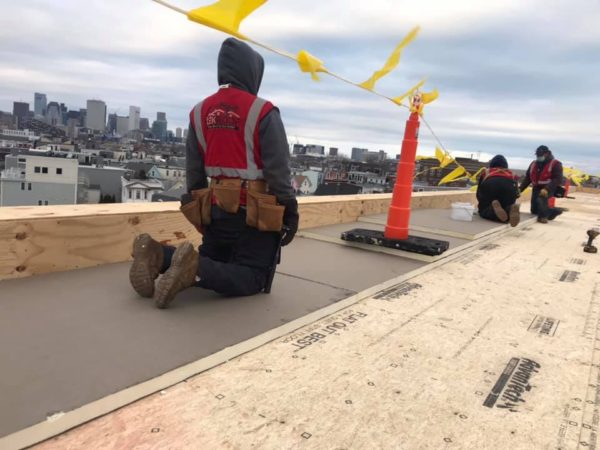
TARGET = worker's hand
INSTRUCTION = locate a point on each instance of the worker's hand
(290, 222)
(544, 193)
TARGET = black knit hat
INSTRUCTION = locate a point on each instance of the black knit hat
(498, 161)
(542, 150)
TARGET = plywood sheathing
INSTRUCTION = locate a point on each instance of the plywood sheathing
(411, 369)
(36, 240)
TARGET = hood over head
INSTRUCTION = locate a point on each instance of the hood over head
(240, 66)
(498, 161)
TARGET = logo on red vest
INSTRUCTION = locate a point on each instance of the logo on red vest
(223, 116)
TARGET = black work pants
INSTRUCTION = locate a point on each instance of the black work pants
(539, 205)
(235, 259)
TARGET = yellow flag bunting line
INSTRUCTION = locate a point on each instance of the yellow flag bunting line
(227, 16)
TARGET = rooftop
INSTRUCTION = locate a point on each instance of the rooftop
(489, 346)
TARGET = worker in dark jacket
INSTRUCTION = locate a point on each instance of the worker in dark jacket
(249, 207)
(545, 175)
(497, 193)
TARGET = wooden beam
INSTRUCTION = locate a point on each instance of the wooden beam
(37, 240)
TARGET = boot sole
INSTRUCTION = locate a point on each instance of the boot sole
(499, 211)
(171, 283)
(514, 216)
(141, 273)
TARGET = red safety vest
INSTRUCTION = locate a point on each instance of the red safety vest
(226, 126)
(543, 178)
(497, 172)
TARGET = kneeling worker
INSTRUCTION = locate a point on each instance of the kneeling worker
(238, 140)
(497, 193)
(545, 174)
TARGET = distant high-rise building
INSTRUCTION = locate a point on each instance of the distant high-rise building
(159, 129)
(178, 133)
(40, 102)
(20, 111)
(83, 117)
(315, 149)
(359, 154)
(134, 118)
(96, 115)
(185, 133)
(159, 126)
(112, 123)
(53, 114)
(122, 125)
(333, 151)
(144, 124)
(299, 149)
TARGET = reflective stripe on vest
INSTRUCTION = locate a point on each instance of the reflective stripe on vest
(498, 172)
(252, 172)
(545, 177)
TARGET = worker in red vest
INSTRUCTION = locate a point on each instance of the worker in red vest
(545, 175)
(249, 207)
(497, 193)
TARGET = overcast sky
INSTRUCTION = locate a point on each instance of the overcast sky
(512, 74)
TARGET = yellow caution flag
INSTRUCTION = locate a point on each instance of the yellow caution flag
(225, 15)
(475, 177)
(311, 64)
(444, 158)
(392, 61)
(453, 176)
(409, 93)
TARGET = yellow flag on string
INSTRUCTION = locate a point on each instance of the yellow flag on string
(475, 177)
(428, 97)
(421, 158)
(225, 15)
(392, 61)
(452, 176)
(311, 64)
(443, 158)
(411, 91)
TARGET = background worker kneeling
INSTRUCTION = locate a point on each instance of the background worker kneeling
(497, 193)
(248, 210)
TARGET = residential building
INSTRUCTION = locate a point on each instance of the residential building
(312, 149)
(143, 170)
(40, 103)
(96, 115)
(333, 151)
(134, 118)
(301, 184)
(140, 190)
(298, 149)
(38, 180)
(174, 173)
(105, 179)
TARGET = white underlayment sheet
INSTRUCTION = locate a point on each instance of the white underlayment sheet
(498, 349)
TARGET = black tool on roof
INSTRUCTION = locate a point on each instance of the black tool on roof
(414, 244)
(592, 234)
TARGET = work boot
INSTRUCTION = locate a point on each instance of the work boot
(499, 211)
(180, 276)
(514, 215)
(147, 262)
(542, 220)
(554, 214)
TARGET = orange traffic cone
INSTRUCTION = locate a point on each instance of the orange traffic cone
(399, 212)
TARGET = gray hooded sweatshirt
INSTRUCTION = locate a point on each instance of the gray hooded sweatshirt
(243, 68)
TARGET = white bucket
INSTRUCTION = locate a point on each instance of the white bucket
(462, 211)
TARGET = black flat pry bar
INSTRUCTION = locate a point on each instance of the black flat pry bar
(273, 268)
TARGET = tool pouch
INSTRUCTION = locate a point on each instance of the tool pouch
(196, 208)
(263, 212)
(227, 194)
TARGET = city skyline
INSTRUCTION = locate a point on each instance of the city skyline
(503, 88)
